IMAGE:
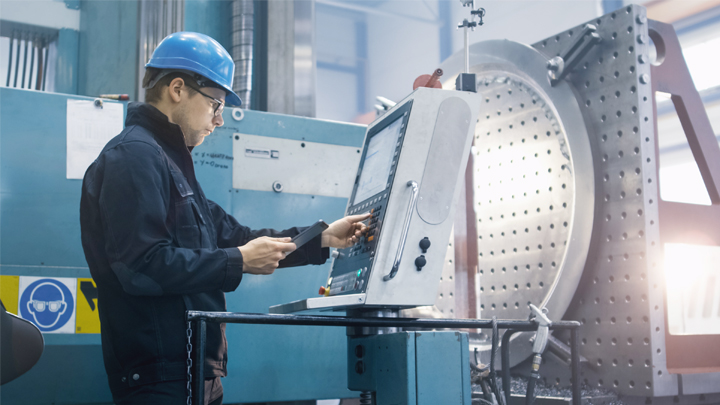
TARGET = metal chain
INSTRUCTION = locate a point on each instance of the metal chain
(189, 363)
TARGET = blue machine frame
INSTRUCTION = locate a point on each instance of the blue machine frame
(40, 236)
(423, 368)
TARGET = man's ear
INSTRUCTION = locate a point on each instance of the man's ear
(175, 89)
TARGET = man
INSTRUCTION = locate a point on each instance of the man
(156, 246)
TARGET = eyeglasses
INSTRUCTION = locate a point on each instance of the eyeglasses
(218, 108)
(53, 306)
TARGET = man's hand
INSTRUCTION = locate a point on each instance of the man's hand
(262, 255)
(344, 232)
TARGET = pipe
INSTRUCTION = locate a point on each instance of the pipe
(32, 63)
(22, 82)
(323, 320)
(18, 39)
(40, 65)
(12, 38)
(45, 66)
(242, 48)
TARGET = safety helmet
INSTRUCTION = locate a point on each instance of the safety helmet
(196, 53)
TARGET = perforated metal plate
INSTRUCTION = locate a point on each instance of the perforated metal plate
(534, 193)
(620, 300)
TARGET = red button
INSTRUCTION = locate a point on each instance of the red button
(321, 291)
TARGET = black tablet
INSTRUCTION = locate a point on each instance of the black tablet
(306, 236)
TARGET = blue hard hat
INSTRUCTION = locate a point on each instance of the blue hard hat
(198, 53)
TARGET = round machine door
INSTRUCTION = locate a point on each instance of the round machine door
(534, 187)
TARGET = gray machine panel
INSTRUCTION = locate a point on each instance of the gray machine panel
(443, 161)
(618, 301)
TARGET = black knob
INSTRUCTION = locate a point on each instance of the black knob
(420, 262)
(425, 244)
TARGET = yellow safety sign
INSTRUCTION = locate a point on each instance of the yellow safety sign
(9, 287)
(87, 319)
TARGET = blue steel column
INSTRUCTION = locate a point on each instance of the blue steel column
(66, 70)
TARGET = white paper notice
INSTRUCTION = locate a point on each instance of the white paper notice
(89, 128)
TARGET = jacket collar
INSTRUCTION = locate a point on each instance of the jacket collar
(149, 117)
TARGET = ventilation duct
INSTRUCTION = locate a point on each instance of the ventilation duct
(242, 48)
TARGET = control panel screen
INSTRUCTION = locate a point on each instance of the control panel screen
(352, 266)
(378, 161)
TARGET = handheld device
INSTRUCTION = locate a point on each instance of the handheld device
(308, 234)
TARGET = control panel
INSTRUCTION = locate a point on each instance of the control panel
(371, 191)
(409, 176)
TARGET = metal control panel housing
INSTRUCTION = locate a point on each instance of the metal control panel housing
(371, 191)
(412, 163)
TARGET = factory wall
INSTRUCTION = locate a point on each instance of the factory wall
(108, 56)
(378, 48)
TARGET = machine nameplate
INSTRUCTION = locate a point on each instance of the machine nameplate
(301, 167)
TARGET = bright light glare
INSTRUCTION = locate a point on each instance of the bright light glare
(661, 96)
(701, 61)
(692, 280)
(683, 183)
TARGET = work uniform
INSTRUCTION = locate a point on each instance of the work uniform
(156, 247)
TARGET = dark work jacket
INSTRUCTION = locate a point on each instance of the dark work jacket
(156, 247)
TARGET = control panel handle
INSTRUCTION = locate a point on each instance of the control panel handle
(405, 229)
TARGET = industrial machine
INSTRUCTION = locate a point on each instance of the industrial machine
(565, 210)
(40, 231)
(408, 179)
(556, 205)
(568, 213)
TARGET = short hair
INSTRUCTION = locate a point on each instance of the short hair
(154, 94)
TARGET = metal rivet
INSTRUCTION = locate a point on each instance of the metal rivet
(238, 114)
(641, 39)
(644, 78)
(641, 19)
(136, 377)
(123, 379)
(641, 58)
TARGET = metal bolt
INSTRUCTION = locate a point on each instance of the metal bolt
(238, 114)
(554, 64)
(641, 19)
(136, 377)
(644, 78)
(641, 59)
(641, 39)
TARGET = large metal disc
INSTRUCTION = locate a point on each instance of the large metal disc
(534, 186)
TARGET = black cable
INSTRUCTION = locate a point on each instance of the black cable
(487, 391)
(530, 395)
(483, 400)
(493, 353)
